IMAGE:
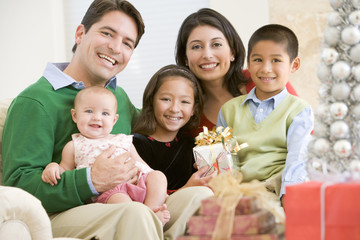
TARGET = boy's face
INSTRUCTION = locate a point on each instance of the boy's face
(270, 68)
(106, 48)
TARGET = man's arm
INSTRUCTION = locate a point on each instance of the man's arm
(28, 147)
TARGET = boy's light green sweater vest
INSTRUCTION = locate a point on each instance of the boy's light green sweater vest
(266, 154)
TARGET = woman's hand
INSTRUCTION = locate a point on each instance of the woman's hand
(197, 180)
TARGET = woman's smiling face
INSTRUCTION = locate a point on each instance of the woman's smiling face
(208, 53)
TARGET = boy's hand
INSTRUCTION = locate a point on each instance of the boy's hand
(51, 173)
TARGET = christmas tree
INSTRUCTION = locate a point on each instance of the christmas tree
(335, 147)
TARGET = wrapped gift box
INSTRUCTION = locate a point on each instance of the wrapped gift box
(214, 156)
(259, 222)
(341, 205)
(212, 206)
(269, 236)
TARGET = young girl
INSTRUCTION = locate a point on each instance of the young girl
(95, 113)
(172, 105)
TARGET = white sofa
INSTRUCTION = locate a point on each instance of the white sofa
(21, 214)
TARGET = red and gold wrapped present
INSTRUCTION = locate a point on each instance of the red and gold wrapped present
(321, 211)
(256, 223)
(212, 206)
(237, 211)
(266, 236)
(214, 149)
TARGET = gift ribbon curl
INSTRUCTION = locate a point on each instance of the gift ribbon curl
(228, 187)
(218, 135)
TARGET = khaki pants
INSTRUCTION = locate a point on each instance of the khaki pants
(129, 221)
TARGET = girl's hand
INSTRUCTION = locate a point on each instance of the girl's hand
(51, 173)
(197, 180)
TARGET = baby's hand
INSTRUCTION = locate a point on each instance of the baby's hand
(51, 173)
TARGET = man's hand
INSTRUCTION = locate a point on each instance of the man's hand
(108, 172)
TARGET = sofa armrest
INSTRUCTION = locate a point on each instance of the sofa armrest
(20, 207)
(4, 105)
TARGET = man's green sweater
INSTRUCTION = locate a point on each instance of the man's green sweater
(37, 127)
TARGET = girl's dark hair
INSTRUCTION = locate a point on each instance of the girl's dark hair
(146, 123)
(99, 8)
(206, 16)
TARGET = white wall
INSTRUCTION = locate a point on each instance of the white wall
(33, 34)
(246, 16)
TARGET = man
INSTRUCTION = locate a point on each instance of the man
(39, 124)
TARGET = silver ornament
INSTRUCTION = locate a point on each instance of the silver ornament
(341, 70)
(334, 19)
(324, 90)
(355, 166)
(338, 110)
(321, 146)
(321, 130)
(336, 4)
(331, 36)
(356, 72)
(340, 91)
(350, 35)
(354, 17)
(329, 55)
(355, 53)
(356, 93)
(322, 111)
(356, 112)
(356, 3)
(324, 73)
(339, 129)
(342, 148)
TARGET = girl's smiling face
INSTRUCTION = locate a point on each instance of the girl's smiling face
(173, 107)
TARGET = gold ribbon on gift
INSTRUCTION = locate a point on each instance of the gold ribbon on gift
(229, 187)
(218, 135)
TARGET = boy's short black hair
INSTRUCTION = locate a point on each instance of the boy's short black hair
(279, 34)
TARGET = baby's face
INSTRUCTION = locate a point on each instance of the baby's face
(95, 115)
(270, 68)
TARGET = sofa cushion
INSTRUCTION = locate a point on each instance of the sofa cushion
(4, 105)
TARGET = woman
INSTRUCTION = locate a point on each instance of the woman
(211, 48)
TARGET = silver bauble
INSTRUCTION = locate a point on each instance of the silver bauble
(350, 35)
(332, 36)
(338, 110)
(341, 70)
(340, 91)
(342, 148)
(329, 55)
(324, 73)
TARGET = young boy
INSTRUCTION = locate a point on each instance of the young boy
(275, 124)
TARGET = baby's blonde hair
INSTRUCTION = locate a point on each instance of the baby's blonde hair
(94, 90)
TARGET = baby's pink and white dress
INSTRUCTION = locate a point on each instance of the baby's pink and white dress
(87, 150)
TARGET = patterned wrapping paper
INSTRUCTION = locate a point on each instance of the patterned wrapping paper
(269, 236)
(216, 149)
(212, 206)
(213, 155)
(259, 222)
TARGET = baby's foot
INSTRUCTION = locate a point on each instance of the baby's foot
(162, 213)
